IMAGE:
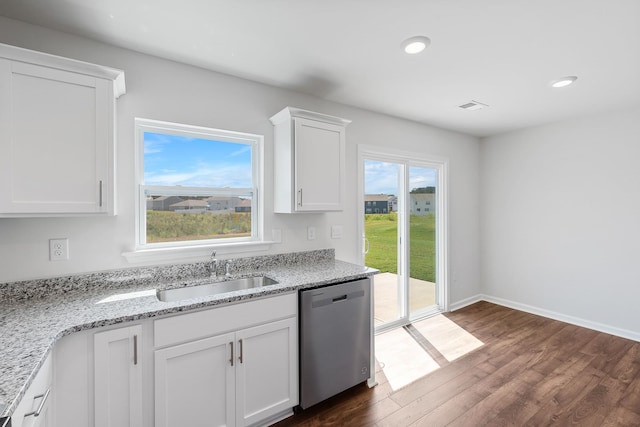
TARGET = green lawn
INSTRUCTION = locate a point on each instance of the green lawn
(167, 226)
(382, 229)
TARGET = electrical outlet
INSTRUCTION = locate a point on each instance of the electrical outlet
(58, 249)
(336, 232)
(311, 233)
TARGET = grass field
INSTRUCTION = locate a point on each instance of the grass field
(166, 226)
(382, 231)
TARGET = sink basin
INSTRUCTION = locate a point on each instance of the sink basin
(213, 288)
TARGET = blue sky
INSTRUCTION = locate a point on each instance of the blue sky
(192, 162)
(382, 177)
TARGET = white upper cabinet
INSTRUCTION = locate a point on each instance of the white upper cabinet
(309, 161)
(57, 135)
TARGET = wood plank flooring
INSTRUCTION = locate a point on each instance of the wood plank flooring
(531, 371)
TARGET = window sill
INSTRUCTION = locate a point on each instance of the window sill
(185, 253)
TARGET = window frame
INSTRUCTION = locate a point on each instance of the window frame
(142, 190)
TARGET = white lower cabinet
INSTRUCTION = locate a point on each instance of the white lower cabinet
(118, 377)
(233, 365)
(100, 378)
(243, 377)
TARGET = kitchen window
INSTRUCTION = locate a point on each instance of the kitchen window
(197, 186)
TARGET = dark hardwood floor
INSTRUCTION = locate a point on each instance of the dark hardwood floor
(531, 371)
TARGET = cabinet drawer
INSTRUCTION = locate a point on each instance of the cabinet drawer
(32, 410)
(206, 323)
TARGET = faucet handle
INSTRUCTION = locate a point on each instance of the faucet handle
(213, 254)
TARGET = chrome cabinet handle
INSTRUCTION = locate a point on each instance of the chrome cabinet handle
(100, 194)
(300, 197)
(231, 360)
(241, 351)
(37, 412)
(135, 349)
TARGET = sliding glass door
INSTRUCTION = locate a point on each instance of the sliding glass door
(401, 223)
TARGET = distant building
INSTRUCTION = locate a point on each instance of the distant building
(422, 203)
(162, 203)
(376, 203)
(191, 206)
(244, 206)
(419, 203)
(393, 203)
(219, 203)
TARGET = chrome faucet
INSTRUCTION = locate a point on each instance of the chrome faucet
(227, 269)
(213, 266)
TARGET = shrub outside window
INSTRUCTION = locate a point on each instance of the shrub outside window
(196, 185)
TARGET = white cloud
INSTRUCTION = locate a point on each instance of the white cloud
(230, 175)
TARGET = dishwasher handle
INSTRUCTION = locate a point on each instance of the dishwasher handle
(322, 300)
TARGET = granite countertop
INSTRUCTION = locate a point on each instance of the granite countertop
(35, 314)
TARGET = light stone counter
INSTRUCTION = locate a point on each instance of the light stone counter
(35, 314)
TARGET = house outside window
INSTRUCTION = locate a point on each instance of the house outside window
(196, 186)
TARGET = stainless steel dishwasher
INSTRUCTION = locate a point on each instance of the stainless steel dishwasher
(335, 339)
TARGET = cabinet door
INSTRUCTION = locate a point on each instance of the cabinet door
(319, 165)
(194, 383)
(118, 377)
(56, 141)
(267, 372)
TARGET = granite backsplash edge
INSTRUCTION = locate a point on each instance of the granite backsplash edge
(152, 275)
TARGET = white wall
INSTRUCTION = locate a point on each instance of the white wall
(165, 90)
(560, 220)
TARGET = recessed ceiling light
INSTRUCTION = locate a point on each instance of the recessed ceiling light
(564, 81)
(415, 44)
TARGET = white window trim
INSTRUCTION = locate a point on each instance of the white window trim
(195, 249)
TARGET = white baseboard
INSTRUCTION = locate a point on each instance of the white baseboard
(465, 302)
(608, 329)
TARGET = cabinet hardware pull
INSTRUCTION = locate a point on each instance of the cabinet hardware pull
(300, 197)
(135, 349)
(44, 397)
(100, 195)
(241, 352)
(231, 360)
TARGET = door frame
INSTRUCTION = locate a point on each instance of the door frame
(441, 165)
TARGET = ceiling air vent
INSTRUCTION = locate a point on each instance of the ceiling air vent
(473, 105)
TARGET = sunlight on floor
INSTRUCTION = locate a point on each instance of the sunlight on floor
(448, 338)
(404, 360)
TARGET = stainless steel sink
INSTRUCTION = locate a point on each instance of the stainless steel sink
(213, 288)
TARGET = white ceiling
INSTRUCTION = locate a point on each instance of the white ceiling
(499, 52)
